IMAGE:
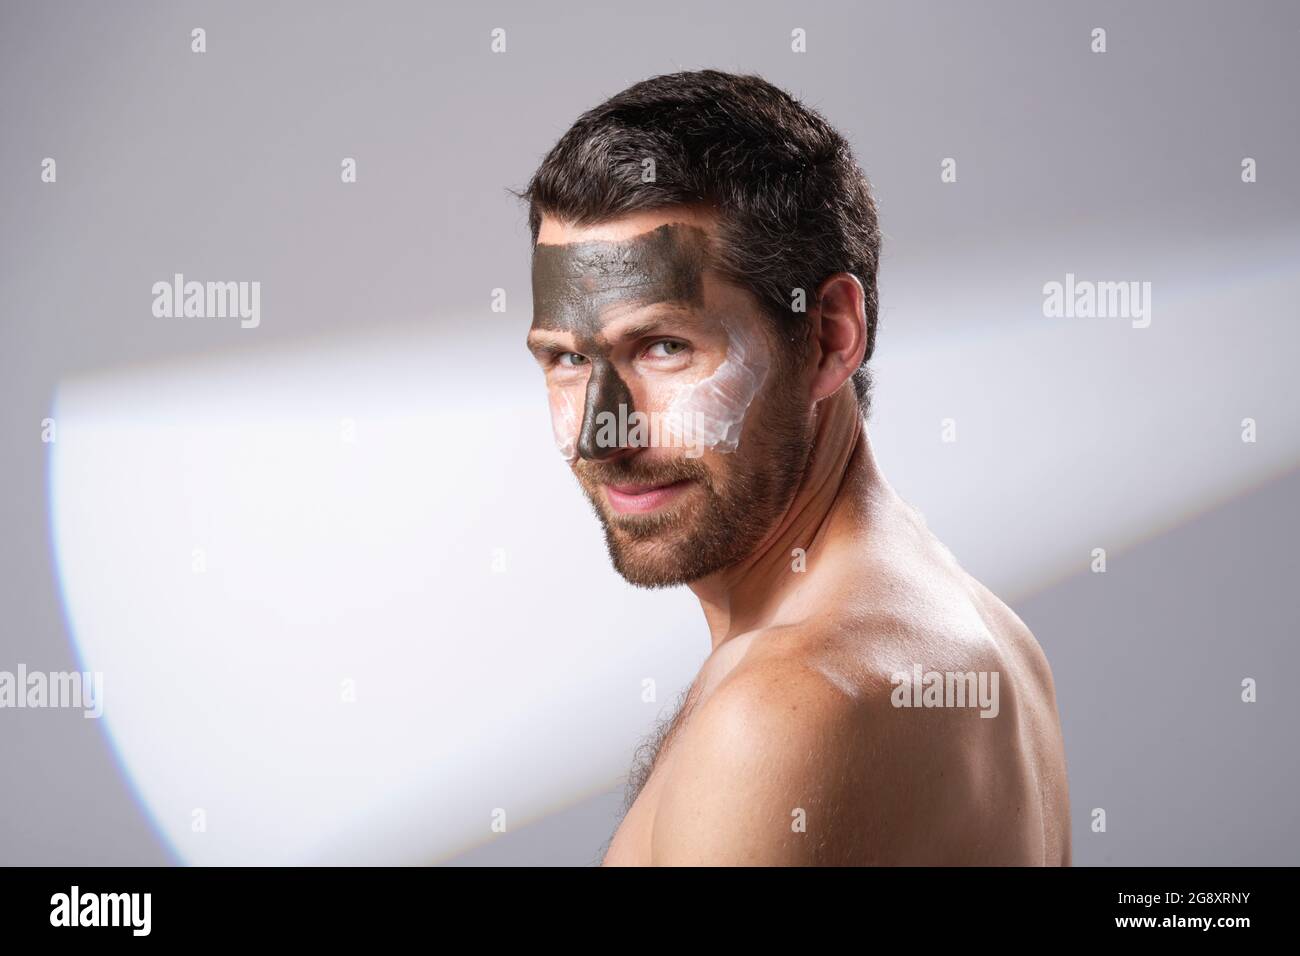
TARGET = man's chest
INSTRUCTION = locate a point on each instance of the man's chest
(631, 844)
(632, 841)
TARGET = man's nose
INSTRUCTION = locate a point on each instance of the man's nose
(604, 418)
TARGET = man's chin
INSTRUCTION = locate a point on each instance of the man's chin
(664, 560)
(644, 555)
(644, 563)
(646, 570)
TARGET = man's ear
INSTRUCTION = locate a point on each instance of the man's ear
(839, 333)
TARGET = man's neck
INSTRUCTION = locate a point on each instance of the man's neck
(840, 477)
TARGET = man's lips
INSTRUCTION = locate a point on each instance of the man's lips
(638, 499)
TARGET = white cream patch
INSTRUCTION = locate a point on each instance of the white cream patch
(713, 409)
(565, 422)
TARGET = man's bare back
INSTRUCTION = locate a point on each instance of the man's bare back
(795, 727)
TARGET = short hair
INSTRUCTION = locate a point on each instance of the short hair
(792, 203)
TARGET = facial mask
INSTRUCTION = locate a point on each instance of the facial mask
(573, 286)
(703, 415)
(565, 421)
(708, 414)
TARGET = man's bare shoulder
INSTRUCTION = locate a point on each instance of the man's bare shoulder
(801, 756)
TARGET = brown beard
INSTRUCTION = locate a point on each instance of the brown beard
(727, 512)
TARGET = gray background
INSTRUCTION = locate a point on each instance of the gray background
(1124, 165)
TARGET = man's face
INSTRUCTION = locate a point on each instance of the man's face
(684, 426)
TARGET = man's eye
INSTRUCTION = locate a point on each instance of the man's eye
(570, 359)
(665, 349)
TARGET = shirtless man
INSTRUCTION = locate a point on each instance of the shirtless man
(704, 333)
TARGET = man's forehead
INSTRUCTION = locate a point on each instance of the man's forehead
(576, 282)
(645, 256)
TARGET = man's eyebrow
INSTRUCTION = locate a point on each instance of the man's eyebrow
(664, 317)
(543, 343)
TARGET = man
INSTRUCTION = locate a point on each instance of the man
(704, 294)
